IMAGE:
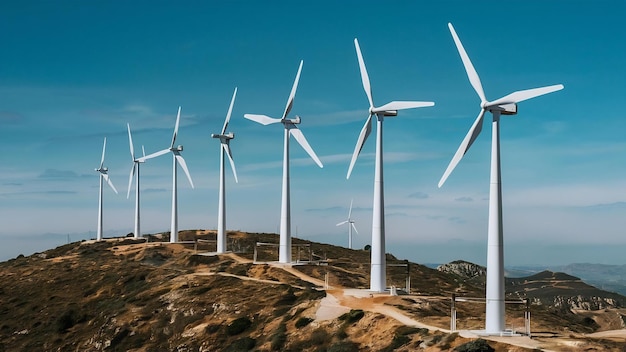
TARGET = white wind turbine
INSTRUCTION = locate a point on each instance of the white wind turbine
(506, 105)
(104, 175)
(177, 159)
(351, 226)
(224, 148)
(290, 130)
(378, 262)
(134, 171)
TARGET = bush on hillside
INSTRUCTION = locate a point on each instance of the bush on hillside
(238, 326)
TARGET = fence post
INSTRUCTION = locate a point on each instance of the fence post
(453, 314)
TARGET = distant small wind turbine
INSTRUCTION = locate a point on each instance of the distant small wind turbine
(134, 171)
(177, 159)
(224, 148)
(378, 277)
(507, 105)
(103, 176)
(290, 130)
(351, 226)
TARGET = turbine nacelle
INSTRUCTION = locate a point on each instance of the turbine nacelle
(102, 170)
(177, 149)
(295, 121)
(504, 109)
(228, 135)
(389, 113)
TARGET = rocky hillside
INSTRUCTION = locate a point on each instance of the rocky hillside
(127, 295)
(563, 290)
(557, 290)
(466, 270)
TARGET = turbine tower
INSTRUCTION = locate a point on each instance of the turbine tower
(351, 226)
(378, 262)
(134, 173)
(290, 130)
(177, 159)
(507, 105)
(224, 148)
(104, 175)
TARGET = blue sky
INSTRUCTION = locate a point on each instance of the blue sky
(72, 73)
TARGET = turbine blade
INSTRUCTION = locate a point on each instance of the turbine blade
(354, 228)
(292, 95)
(341, 223)
(183, 164)
(350, 211)
(108, 179)
(104, 147)
(365, 132)
(470, 137)
(364, 76)
(230, 158)
(130, 179)
(154, 155)
(401, 105)
(230, 110)
(469, 68)
(297, 134)
(262, 119)
(175, 128)
(143, 151)
(130, 143)
(522, 95)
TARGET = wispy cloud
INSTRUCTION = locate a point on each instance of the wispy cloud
(10, 118)
(153, 190)
(456, 220)
(608, 206)
(48, 193)
(418, 195)
(57, 174)
(329, 209)
(464, 199)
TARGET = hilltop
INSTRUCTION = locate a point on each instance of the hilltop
(129, 295)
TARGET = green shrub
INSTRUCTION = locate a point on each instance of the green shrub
(341, 334)
(242, 345)
(303, 321)
(408, 330)
(319, 337)
(238, 326)
(447, 340)
(212, 328)
(288, 298)
(398, 340)
(66, 321)
(343, 346)
(478, 345)
(435, 340)
(279, 338)
(352, 316)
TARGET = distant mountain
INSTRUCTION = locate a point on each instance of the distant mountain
(556, 289)
(606, 277)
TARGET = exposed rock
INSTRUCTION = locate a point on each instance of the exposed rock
(463, 269)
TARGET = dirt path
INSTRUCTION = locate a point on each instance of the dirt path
(340, 300)
(609, 334)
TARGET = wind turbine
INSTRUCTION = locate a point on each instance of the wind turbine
(104, 175)
(351, 226)
(378, 262)
(134, 171)
(177, 159)
(506, 105)
(224, 148)
(290, 130)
